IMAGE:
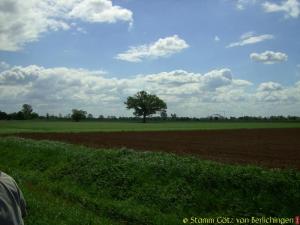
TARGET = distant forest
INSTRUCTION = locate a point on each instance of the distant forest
(27, 113)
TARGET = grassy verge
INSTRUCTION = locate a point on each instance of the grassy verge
(94, 126)
(67, 184)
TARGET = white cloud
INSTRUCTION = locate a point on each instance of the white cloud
(100, 11)
(249, 38)
(269, 57)
(22, 22)
(59, 89)
(241, 4)
(65, 88)
(161, 48)
(247, 35)
(216, 38)
(18, 75)
(216, 78)
(275, 92)
(269, 86)
(291, 8)
(278, 94)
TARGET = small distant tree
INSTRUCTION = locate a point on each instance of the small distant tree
(173, 116)
(18, 116)
(3, 115)
(78, 115)
(90, 116)
(145, 104)
(163, 114)
(27, 111)
(111, 117)
(34, 115)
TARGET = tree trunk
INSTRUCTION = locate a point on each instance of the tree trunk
(144, 118)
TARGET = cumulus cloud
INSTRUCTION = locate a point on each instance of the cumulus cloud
(269, 86)
(290, 8)
(19, 75)
(100, 11)
(22, 22)
(269, 57)
(216, 78)
(241, 4)
(161, 48)
(59, 89)
(272, 92)
(249, 38)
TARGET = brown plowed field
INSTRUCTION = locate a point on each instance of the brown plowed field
(265, 147)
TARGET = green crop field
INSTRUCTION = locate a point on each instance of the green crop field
(72, 185)
(69, 126)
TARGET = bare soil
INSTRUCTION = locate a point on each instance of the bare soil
(275, 148)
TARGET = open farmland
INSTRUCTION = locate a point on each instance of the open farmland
(68, 184)
(69, 126)
(132, 176)
(265, 147)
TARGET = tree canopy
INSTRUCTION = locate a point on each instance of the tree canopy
(27, 111)
(145, 104)
(78, 115)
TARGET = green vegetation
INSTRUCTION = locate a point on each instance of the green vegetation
(67, 184)
(93, 126)
(145, 104)
(78, 115)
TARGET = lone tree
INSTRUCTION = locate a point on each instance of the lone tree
(90, 116)
(145, 104)
(78, 115)
(27, 111)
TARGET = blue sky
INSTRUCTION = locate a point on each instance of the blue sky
(201, 57)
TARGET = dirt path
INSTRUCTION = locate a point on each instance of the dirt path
(266, 147)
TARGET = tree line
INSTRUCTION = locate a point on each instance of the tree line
(145, 105)
(26, 113)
